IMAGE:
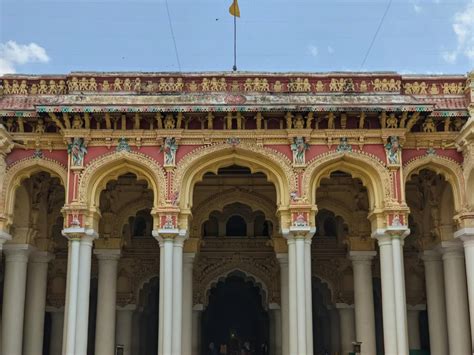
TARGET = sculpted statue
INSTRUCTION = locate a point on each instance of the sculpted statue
(53, 90)
(392, 148)
(137, 85)
(429, 125)
(179, 119)
(248, 85)
(92, 84)
(239, 120)
(34, 89)
(447, 124)
(105, 85)
(277, 87)
(127, 85)
(77, 150)
(214, 85)
(179, 84)
(362, 120)
(258, 120)
(289, 120)
(169, 121)
(306, 86)
(117, 84)
(40, 126)
(331, 123)
(62, 87)
(43, 87)
(73, 84)
(23, 90)
(205, 84)
(169, 149)
(309, 120)
(363, 86)
(299, 148)
(77, 122)
(298, 121)
(84, 84)
(392, 121)
(229, 120)
(6, 87)
(319, 86)
(210, 120)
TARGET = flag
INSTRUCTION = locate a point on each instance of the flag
(234, 9)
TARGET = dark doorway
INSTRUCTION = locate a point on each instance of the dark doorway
(148, 318)
(322, 318)
(235, 315)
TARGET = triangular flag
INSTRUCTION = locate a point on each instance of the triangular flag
(234, 9)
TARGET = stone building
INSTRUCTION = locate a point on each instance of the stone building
(160, 213)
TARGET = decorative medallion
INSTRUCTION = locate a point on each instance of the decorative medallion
(344, 146)
(123, 145)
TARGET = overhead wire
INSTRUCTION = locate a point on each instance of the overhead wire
(376, 34)
(173, 36)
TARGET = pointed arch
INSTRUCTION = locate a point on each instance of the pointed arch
(276, 166)
(110, 166)
(20, 171)
(448, 168)
(369, 169)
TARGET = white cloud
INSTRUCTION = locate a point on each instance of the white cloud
(417, 8)
(463, 27)
(330, 50)
(12, 54)
(313, 50)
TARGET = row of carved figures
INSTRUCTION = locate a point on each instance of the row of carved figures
(232, 120)
(90, 84)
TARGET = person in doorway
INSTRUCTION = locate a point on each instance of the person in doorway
(212, 350)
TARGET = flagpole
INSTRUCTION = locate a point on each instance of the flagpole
(234, 68)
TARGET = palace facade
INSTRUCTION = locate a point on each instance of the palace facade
(169, 213)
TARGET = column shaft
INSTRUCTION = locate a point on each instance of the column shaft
(35, 305)
(346, 321)
(301, 296)
(414, 342)
(400, 298)
(186, 344)
(308, 297)
(161, 299)
(285, 328)
(196, 336)
(106, 301)
(437, 322)
(83, 290)
(364, 300)
(456, 300)
(293, 318)
(388, 296)
(72, 284)
(57, 323)
(167, 293)
(123, 331)
(14, 287)
(177, 295)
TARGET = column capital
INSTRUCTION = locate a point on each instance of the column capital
(362, 256)
(466, 235)
(451, 249)
(38, 256)
(384, 235)
(107, 254)
(174, 234)
(4, 237)
(80, 233)
(298, 232)
(18, 252)
(431, 255)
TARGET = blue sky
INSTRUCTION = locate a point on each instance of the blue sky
(416, 36)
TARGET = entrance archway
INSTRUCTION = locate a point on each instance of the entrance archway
(235, 314)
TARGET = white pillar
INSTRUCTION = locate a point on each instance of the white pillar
(167, 293)
(364, 300)
(4, 236)
(35, 305)
(72, 284)
(388, 294)
(196, 337)
(177, 295)
(456, 298)
(186, 344)
(56, 338)
(308, 297)
(292, 292)
(467, 236)
(285, 328)
(301, 295)
(276, 334)
(347, 327)
(400, 298)
(123, 331)
(437, 323)
(413, 316)
(14, 287)
(83, 290)
(106, 301)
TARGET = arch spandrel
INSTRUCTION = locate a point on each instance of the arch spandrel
(369, 169)
(217, 202)
(20, 171)
(276, 166)
(109, 167)
(448, 168)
